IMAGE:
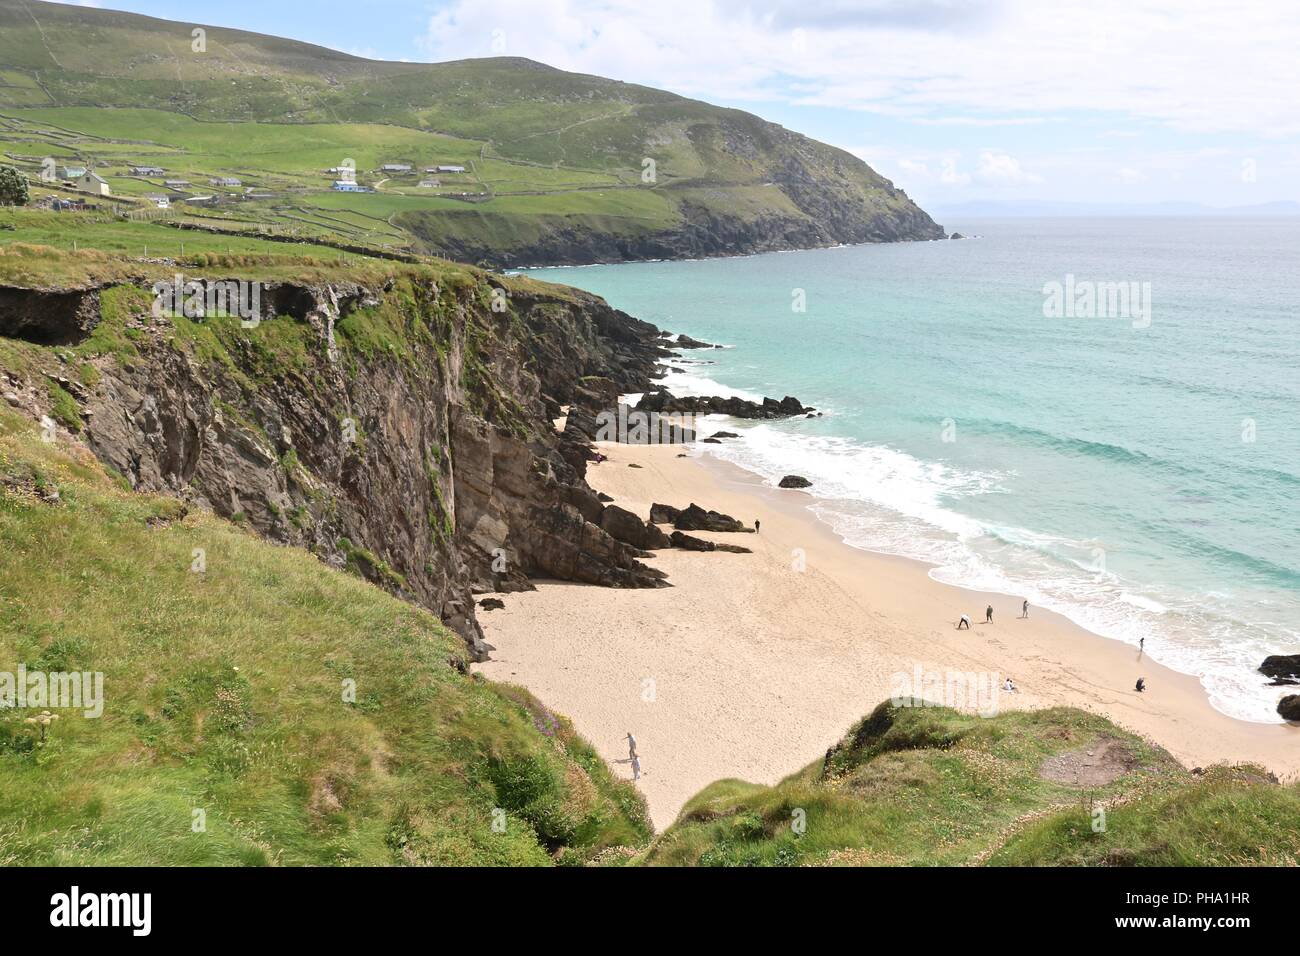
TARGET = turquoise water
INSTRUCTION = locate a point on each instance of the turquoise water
(1142, 478)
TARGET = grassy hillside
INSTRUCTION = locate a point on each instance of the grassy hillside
(930, 786)
(554, 161)
(225, 693)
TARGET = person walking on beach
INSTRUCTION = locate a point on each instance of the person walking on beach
(964, 622)
(1142, 645)
(631, 747)
(1024, 609)
(757, 524)
(988, 614)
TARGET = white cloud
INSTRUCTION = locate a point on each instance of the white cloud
(1196, 65)
(1002, 170)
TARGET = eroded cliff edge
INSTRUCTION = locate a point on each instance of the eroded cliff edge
(397, 422)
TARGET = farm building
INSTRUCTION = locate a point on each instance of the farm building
(73, 172)
(225, 181)
(91, 183)
(346, 186)
(396, 167)
(147, 170)
(446, 169)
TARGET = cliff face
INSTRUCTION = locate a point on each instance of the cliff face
(401, 428)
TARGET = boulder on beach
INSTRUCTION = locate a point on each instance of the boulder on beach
(622, 525)
(492, 604)
(688, 542)
(1289, 707)
(794, 481)
(663, 514)
(695, 518)
(1283, 668)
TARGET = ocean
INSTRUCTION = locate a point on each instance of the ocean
(1101, 416)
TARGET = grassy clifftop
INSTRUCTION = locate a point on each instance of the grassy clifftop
(930, 786)
(226, 692)
(554, 164)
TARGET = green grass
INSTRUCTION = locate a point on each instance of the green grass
(226, 693)
(930, 786)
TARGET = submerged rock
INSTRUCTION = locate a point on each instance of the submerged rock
(1283, 668)
(661, 401)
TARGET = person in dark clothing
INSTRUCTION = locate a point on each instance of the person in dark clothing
(1141, 685)
(988, 614)
(757, 524)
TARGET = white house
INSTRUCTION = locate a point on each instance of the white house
(92, 183)
(225, 181)
(147, 170)
(162, 202)
(347, 186)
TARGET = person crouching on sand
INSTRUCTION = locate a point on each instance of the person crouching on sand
(963, 623)
(1141, 685)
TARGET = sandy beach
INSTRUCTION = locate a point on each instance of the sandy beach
(751, 665)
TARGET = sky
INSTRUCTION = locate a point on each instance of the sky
(1117, 101)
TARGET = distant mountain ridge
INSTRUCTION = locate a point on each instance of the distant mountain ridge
(562, 167)
(1055, 208)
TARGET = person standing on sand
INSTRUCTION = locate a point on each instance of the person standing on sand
(757, 524)
(636, 767)
(963, 623)
(1024, 609)
(1142, 644)
(988, 614)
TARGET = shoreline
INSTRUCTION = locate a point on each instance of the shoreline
(749, 668)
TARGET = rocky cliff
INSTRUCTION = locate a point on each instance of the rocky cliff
(396, 424)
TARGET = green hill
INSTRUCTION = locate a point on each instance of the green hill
(555, 164)
(225, 693)
(922, 785)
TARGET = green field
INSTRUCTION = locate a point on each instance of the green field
(110, 90)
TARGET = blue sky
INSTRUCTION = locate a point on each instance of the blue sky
(1103, 101)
